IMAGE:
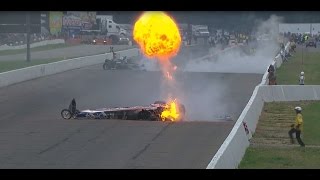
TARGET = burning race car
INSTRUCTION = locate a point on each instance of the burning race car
(121, 63)
(158, 111)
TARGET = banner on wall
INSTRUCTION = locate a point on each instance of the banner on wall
(88, 18)
(55, 22)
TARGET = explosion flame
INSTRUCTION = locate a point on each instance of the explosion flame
(157, 35)
(171, 112)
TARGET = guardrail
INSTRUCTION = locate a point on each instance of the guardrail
(36, 44)
(29, 73)
(233, 148)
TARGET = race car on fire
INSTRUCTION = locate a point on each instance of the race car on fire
(158, 111)
(121, 63)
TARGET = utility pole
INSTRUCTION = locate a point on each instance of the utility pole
(310, 29)
(302, 56)
(28, 36)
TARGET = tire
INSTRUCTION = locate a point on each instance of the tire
(107, 66)
(144, 115)
(101, 116)
(66, 114)
(104, 66)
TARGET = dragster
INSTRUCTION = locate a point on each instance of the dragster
(151, 112)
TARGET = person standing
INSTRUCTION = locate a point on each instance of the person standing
(297, 127)
(301, 79)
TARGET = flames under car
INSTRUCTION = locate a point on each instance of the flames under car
(152, 112)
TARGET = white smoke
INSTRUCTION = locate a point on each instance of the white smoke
(235, 61)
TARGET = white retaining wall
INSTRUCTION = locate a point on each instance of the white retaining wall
(36, 44)
(233, 148)
(20, 75)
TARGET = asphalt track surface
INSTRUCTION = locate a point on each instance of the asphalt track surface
(67, 52)
(33, 135)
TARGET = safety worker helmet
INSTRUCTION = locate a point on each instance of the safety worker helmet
(298, 108)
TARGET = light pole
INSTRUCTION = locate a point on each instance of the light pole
(28, 35)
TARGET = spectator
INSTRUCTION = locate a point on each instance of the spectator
(271, 68)
(272, 78)
(293, 46)
(301, 79)
(297, 127)
(283, 56)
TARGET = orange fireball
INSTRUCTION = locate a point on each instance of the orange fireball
(157, 35)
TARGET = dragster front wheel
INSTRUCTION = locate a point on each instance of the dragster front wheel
(66, 114)
(105, 66)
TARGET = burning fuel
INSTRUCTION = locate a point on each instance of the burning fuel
(169, 76)
(171, 112)
(175, 68)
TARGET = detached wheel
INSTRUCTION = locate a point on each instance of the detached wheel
(66, 114)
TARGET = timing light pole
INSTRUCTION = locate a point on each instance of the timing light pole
(28, 36)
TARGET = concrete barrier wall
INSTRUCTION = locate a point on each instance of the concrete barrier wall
(36, 44)
(20, 75)
(232, 150)
(16, 76)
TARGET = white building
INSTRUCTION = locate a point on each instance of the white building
(310, 28)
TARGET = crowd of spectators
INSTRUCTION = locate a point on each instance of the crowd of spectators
(300, 38)
(12, 39)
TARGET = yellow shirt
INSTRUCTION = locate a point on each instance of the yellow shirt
(299, 121)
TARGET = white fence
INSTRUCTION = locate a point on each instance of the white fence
(20, 75)
(233, 148)
(36, 44)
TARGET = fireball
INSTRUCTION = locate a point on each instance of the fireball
(171, 112)
(157, 35)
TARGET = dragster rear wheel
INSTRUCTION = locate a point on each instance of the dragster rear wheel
(144, 115)
(66, 114)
